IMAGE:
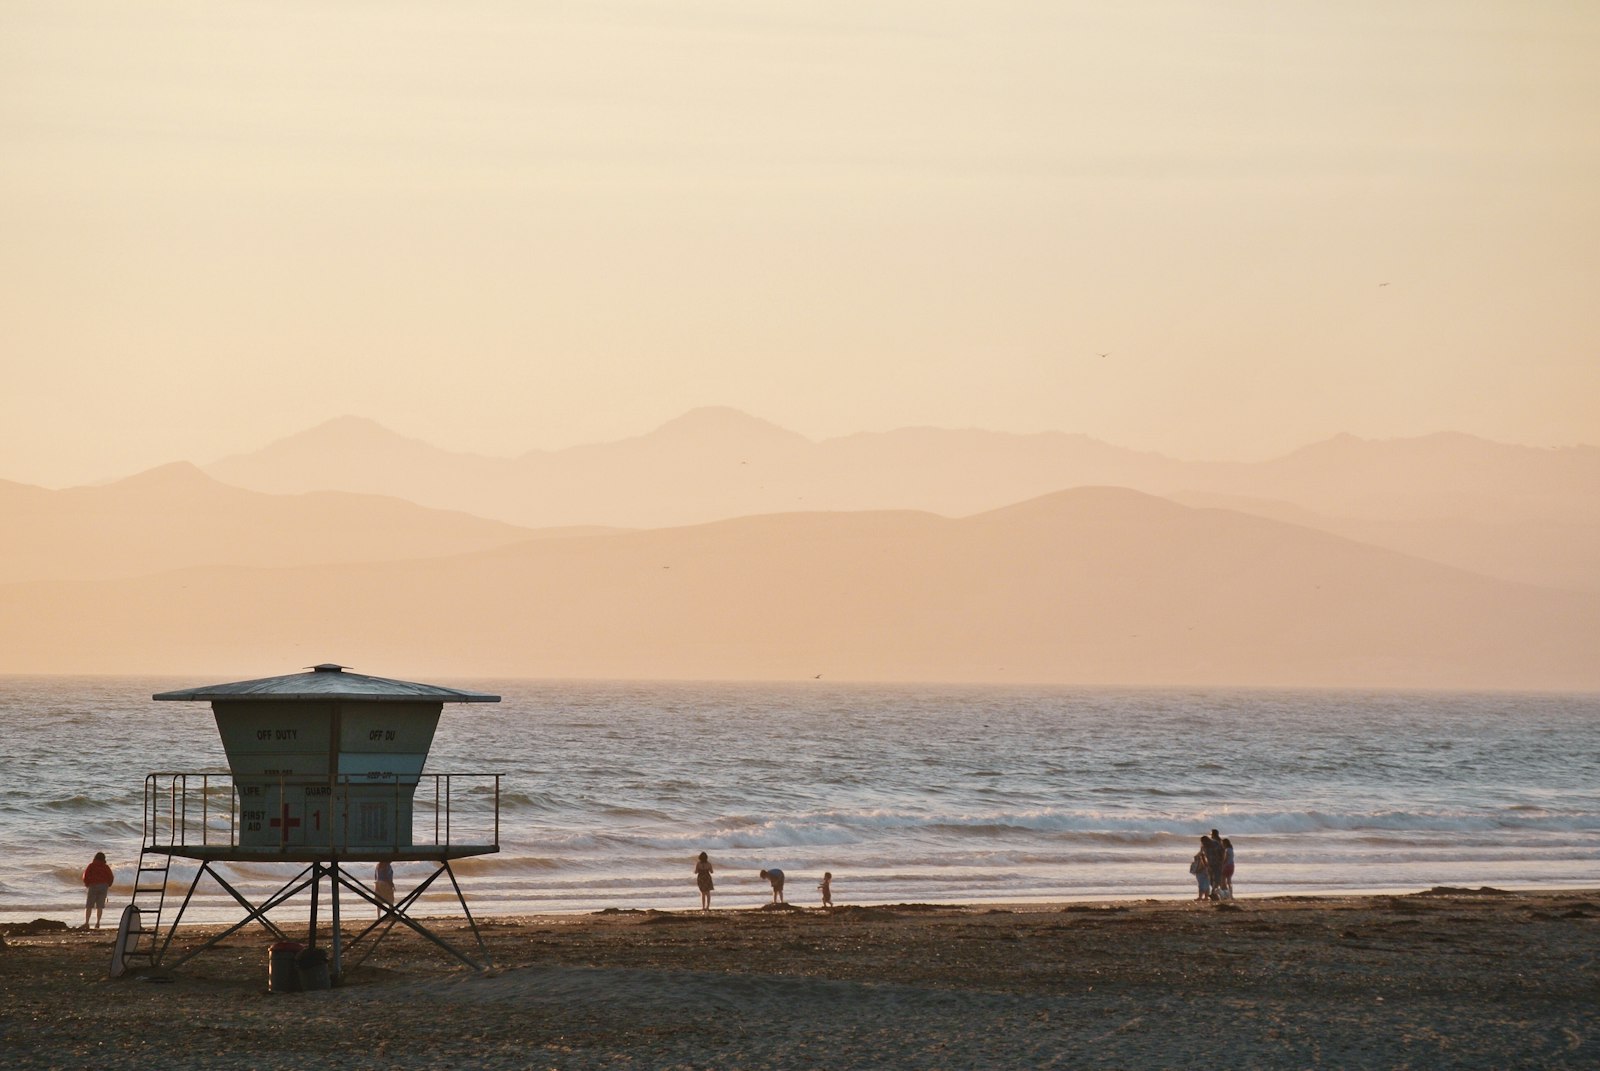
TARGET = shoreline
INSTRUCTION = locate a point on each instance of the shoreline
(756, 900)
(1439, 977)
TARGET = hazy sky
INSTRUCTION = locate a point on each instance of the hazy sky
(506, 225)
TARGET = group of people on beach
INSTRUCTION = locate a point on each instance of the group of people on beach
(1212, 867)
(773, 876)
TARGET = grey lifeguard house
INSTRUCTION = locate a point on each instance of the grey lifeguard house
(326, 769)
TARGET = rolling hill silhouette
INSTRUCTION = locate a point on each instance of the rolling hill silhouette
(1088, 586)
(1513, 512)
(176, 516)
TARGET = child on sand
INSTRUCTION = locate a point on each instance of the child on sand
(383, 883)
(827, 889)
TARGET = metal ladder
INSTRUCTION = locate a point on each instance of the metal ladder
(150, 897)
(150, 881)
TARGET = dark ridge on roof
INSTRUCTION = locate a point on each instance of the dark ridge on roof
(329, 681)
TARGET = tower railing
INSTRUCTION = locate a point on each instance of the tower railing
(203, 810)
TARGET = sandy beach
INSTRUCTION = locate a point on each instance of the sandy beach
(1443, 978)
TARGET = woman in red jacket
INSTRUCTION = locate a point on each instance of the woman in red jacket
(97, 878)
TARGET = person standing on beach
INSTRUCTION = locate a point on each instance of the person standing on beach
(1200, 870)
(776, 877)
(1227, 867)
(1214, 861)
(827, 889)
(97, 879)
(383, 882)
(702, 878)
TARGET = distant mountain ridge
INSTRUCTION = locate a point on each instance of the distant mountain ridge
(1514, 512)
(176, 517)
(1088, 586)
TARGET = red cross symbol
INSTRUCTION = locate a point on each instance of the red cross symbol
(285, 823)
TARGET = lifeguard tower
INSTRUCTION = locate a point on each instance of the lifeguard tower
(326, 770)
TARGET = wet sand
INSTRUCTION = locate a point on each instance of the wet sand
(1446, 978)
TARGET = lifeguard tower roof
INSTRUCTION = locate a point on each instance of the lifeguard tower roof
(328, 681)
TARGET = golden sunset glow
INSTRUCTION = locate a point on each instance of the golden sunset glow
(502, 226)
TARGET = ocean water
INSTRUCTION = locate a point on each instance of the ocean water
(905, 793)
